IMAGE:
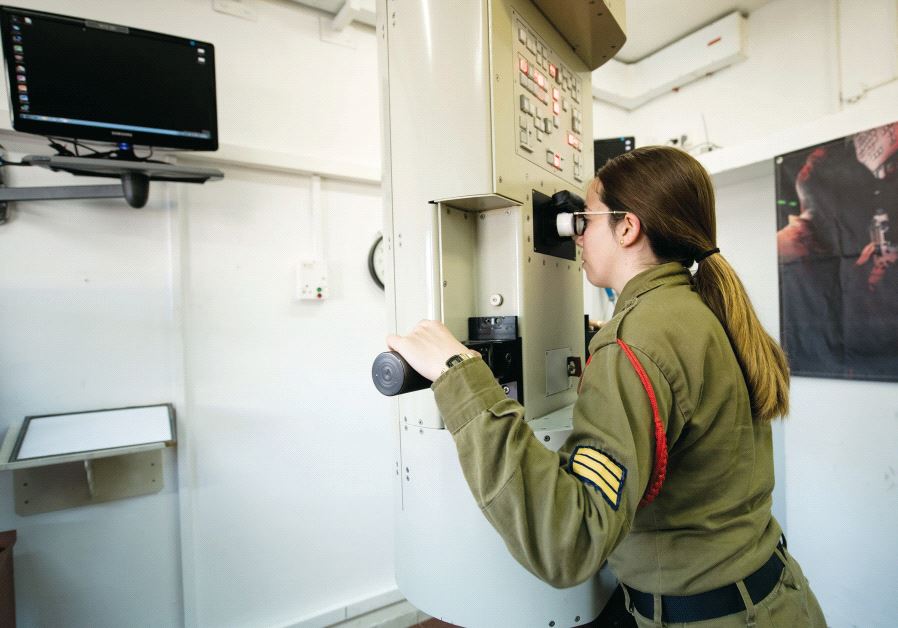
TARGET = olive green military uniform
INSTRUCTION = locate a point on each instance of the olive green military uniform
(563, 514)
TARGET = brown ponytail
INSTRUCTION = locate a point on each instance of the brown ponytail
(673, 197)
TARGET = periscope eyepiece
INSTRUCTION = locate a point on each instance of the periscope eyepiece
(567, 207)
(569, 225)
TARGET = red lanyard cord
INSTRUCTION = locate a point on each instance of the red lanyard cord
(659, 468)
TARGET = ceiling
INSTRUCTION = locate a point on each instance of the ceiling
(654, 24)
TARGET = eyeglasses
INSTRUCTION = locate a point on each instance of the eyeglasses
(574, 224)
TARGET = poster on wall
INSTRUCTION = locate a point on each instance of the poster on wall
(838, 258)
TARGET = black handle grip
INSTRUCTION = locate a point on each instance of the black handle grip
(392, 375)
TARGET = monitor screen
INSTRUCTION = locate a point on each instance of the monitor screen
(77, 78)
(605, 149)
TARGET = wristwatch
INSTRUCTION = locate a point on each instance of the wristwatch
(457, 359)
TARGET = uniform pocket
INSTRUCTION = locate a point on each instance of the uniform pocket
(788, 606)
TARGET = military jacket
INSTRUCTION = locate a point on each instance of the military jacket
(563, 514)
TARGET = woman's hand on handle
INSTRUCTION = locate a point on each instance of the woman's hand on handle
(427, 347)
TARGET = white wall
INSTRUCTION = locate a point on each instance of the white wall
(277, 504)
(86, 322)
(837, 465)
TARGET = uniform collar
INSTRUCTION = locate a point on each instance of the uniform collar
(669, 274)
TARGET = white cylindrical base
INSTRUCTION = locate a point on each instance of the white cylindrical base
(454, 566)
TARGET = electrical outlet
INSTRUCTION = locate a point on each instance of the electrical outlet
(311, 281)
(237, 8)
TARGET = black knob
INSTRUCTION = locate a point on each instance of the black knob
(136, 188)
(392, 375)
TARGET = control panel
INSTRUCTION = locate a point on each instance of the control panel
(548, 98)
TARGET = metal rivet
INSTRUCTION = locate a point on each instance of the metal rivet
(577, 618)
(547, 438)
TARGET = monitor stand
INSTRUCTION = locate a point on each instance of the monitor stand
(135, 175)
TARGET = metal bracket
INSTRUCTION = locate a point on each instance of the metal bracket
(50, 193)
(59, 192)
(74, 484)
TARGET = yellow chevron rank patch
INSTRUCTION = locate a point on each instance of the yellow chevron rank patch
(596, 468)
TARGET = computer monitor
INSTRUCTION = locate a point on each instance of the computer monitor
(606, 149)
(82, 79)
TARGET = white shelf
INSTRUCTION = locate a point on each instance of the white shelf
(754, 158)
(251, 157)
(87, 458)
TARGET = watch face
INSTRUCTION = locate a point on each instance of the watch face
(376, 261)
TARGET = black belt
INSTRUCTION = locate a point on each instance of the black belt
(711, 604)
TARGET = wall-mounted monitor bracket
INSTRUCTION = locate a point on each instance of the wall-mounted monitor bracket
(135, 179)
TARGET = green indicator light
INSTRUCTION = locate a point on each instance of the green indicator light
(781, 202)
(319, 289)
(793, 204)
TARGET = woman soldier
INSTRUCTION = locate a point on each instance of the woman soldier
(668, 472)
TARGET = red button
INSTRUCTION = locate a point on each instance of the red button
(523, 65)
(556, 107)
(553, 71)
(540, 80)
(555, 93)
(557, 160)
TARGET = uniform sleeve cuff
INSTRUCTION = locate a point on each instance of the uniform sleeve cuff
(466, 391)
